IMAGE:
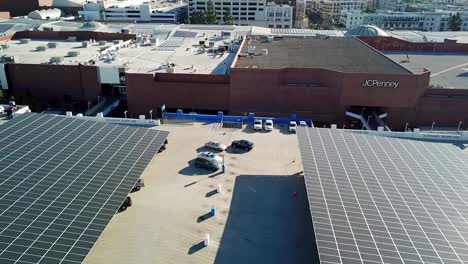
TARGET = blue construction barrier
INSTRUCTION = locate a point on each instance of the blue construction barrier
(221, 117)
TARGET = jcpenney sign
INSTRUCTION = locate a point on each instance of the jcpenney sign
(378, 83)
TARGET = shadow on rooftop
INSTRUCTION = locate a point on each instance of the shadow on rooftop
(267, 223)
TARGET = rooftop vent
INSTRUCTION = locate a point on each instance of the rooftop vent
(41, 48)
(56, 59)
(52, 45)
(24, 40)
(73, 53)
(9, 59)
(251, 50)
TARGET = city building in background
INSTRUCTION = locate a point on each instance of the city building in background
(333, 8)
(253, 12)
(427, 21)
(163, 11)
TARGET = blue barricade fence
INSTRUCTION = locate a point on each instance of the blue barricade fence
(228, 118)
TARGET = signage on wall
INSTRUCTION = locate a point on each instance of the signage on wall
(378, 83)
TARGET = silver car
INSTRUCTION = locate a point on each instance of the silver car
(216, 146)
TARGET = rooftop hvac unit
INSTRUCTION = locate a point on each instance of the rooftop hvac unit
(52, 45)
(25, 40)
(71, 39)
(84, 44)
(170, 70)
(102, 42)
(56, 59)
(9, 59)
(73, 53)
(5, 46)
(117, 41)
(154, 41)
(41, 48)
(251, 50)
(270, 39)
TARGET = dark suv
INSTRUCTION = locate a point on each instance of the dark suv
(207, 164)
(125, 204)
(242, 144)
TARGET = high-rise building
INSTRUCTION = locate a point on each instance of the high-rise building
(333, 8)
(157, 11)
(427, 21)
(250, 12)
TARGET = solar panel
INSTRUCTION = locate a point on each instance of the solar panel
(61, 181)
(185, 34)
(171, 44)
(377, 199)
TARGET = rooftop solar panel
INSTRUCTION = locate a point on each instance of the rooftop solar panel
(385, 200)
(61, 181)
(185, 34)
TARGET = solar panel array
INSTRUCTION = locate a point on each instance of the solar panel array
(208, 27)
(376, 199)
(184, 34)
(61, 181)
(301, 31)
(171, 44)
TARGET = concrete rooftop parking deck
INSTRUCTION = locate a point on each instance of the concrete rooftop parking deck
(258, 219)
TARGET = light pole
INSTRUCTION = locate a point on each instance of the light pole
(362, 115)
(432, 127)
(459, 124)
(125, 113)
(151, 114)
(89, 103)
(406, 127)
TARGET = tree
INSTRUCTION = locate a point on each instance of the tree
(210, 14)
(455, 22)
(315, 17)
(1, 95)
(369, 9)
(197, 17)
(228, 18)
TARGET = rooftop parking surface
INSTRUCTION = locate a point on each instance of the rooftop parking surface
(262, 212)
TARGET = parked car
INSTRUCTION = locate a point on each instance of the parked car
(258, 124)
(242, 144)
(207, 164)
(292, 126)
(139, 183)
(302, 123)
(268, 125)
(127, 203)
(216, 146)
(210, 156)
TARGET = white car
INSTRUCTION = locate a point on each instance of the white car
(268, 125)
(258, 124)
(210, 156)
(302, 123)
(216, 146)
(292, 126)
